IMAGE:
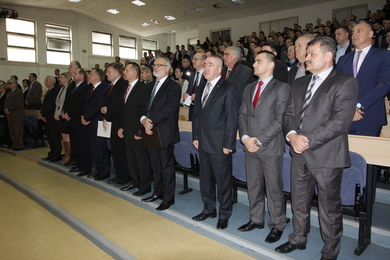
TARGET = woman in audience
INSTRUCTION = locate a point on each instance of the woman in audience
(182, 81)
(229, 41)
(146, 75)
(5, 139)
(63, 127)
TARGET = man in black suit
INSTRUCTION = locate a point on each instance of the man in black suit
(34, 94)
(160, 109)
(47, 113)
(178, 55)
(316, 121)
(114, 114)
(234, 71)
(73, 110)
(95, 100)
(136, 154)
(344, 44)
(214, 130)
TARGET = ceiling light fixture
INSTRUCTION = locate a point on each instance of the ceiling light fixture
(154, 21)
(169, 17)
(74, 1)
(137, 2)
(200, 10)
(144, 24)
(113, 11)
(238, 2)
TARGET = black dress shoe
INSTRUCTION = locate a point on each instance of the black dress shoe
(92, 175)
(250, 226)
(55, 159)
(273, 236)
(140, 192)
(128, 187)
(202, 216)
(75, 169)
(151, 198)
(288, 247)
(222, 224)
(122, 183)
(100, 178)
(115, 180)
(82, 173)
(47, 158)
(165, 205)
(71, 163)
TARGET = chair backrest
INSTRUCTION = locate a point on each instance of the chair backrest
(239, 171)
(183, 149)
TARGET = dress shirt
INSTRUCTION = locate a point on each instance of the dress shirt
(341, 50)
(132, 86)
(96, 85)
(161, 81)
(200, 73)
(362, 56)
(301, 70)
(213, 83)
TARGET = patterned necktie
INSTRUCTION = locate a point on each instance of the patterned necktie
(228, 73)
(206, 94)
(127, 92)
(307, 98)
(195, 83)
(152, 96)
(355, 63)
(110, 89)
(257, 95)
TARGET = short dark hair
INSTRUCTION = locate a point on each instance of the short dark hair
(212, 52)
(82, 71)
(368, 23)
(269, 55)
(345, 28)
(117, 66)
(100, 72)
(327, 44)
(272, 45)
(135, 67)
(34, 75)
(15, 77)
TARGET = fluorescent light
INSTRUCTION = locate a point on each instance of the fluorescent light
(144, 24)
(200, 10)
(113, 11)
(74, 1)
(137, 2)
(169, 17)
(154, 21)
(238, 2)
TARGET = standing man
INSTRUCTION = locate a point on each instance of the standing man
(316, 120)
(260, 125)
(47, 112)
(14, 109)
(371, 67)
(214, 130)
(34, 94)
(137, 157)
(160, 109)
(344, 44)
(96, 99)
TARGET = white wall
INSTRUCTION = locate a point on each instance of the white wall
(181, 38)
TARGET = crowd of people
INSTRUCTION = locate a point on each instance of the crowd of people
(308, 86)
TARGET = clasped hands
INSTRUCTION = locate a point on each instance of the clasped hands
(299, 143)
(148, 125)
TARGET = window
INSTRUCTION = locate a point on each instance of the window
(58, 44)
(219, 33)
(193, 41)
(20, 40)
(277, 25)
(101, 44)
(127, 47)
(148, 45)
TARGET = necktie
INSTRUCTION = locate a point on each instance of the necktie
(127, 92)
(355, 63)
(228, 73)
(195, 83)
(152, 96)
(206, 94)
(257, 95)
(307, 98)
(91, 89)
(110, 90)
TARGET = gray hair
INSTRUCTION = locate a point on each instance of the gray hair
(237, 52)
(327, 44)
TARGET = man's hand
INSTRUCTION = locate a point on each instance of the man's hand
(104, 110)
(226, 151)
(196, 144)
(6, 111)
(105, 124)
(185, 95)
(250, 144)
(84, 122)
(136, 137)
(56, 117)
(147, 123)
(193, 97)
(66, 117)
(358, 115)
(299, 143)
(120, 133)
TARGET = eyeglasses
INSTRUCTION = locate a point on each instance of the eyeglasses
(159, 65)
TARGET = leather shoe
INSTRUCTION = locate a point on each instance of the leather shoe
(222, 224)
(71, 163)
(202, 216)
(55, 159)
(288, 247)
(82, 173)
(324, 258)
(92, 175)
(122, 183)
(47, 158)
(140, 192)
(151, 198)
(128, 187)
(165, 205)
(250, 226)
(100, 178)
(74, 169)
(273, 236)
(115, 180)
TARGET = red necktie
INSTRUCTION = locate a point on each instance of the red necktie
(257, 95)
(110, 90)
(127, 92)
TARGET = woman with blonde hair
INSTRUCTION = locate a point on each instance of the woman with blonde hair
(146, 75)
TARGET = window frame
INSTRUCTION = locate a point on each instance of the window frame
(102, 44)
(69, 40)
(33, 36)
(128, 47)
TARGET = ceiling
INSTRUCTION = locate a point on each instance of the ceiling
(130, 16)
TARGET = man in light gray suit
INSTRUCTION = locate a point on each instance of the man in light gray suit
(260, 125)
(316, 121)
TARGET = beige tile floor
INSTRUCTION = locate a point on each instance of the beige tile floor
(141, 233)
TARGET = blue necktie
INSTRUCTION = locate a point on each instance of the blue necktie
(152, 97)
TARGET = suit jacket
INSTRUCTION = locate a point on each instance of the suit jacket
(94, 101)
(292, 73)
(281, 71)
(34, 93)
(49, 102)
(215, 125)
(191, 80)
(326, 120)
(164, 111)
(14, 104)
(265, 121)
(115, 103)
(240, 76)
(374, 84)
(75, 103)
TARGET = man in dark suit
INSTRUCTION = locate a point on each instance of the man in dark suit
(14, 109)
(316, 120)
(178, 55)
(160, 109)
(34, 94)
(96, 99)
(194, 80)
(260, 125)
(47, 112)
(234, 71)
(214, 130)
(344, 44)
(114, 114)
(73, 110)
(371, 67)
(136, 154)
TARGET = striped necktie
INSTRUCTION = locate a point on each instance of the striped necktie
(307, 98)
(206, 94)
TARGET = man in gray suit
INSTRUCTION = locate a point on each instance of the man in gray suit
(34, 94)
(260, 125)
(316, 121)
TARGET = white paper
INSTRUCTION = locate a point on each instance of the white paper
(104, 132)
(187, 101)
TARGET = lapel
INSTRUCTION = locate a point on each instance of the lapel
(93, 92)
(326, 84)
(301, 91)
(161, 91)
(133, 89)
(214, 92)
(366, 60)
(266, 92)
(252, 89)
